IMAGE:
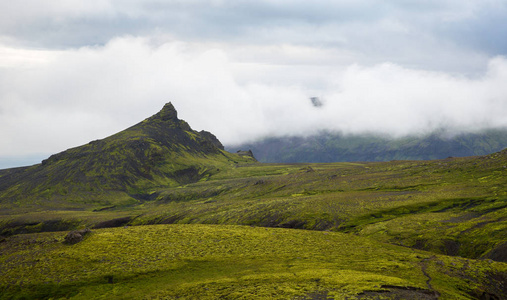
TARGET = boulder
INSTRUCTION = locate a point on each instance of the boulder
(75, 236)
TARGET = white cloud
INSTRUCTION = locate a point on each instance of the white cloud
(67, 98)
(395, 100)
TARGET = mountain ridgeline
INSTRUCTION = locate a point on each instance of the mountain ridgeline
(159, 151)
(336, 147)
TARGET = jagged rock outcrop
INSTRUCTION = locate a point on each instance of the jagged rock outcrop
(168, 113)
(212, 139)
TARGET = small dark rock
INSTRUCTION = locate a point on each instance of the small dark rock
(75, 236)
(316, 102)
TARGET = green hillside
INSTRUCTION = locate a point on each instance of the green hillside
(160, 151)
(334, 147)
(172, 215)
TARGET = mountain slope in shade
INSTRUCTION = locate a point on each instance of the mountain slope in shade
(160, 151)
(333, 147)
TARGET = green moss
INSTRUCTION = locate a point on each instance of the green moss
(222, 261)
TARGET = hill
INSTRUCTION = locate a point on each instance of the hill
(172, 215)
(160, 151)
(335, 147)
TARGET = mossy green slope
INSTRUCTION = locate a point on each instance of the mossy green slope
(234, 262)
(160, 151)
(454, 206)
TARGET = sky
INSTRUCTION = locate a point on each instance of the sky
(72, 71)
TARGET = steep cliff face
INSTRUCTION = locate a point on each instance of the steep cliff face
(159, 151)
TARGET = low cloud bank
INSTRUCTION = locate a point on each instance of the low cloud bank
(66, 98)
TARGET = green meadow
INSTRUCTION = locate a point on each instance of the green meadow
(232, 262)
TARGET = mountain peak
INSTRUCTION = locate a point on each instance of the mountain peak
(167, 116)
(168, 112)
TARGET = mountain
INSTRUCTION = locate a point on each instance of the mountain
(159, 151)
(334, 147)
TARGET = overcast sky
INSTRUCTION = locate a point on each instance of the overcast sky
(72, 71)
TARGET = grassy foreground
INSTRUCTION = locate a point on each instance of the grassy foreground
(232, 262)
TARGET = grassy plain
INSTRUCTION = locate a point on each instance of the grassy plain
(231, 262)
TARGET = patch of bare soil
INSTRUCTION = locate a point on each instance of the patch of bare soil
(399, 293)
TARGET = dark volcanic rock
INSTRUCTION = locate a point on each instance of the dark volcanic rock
(212, 139)
(76, 236)
(168, 112)
(399, 292)
(245, 153)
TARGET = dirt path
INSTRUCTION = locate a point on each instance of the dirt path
(424, 266)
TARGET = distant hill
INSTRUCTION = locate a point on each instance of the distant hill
(160, 151)
(334, 147)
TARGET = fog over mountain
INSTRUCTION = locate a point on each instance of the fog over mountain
(76, 71)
